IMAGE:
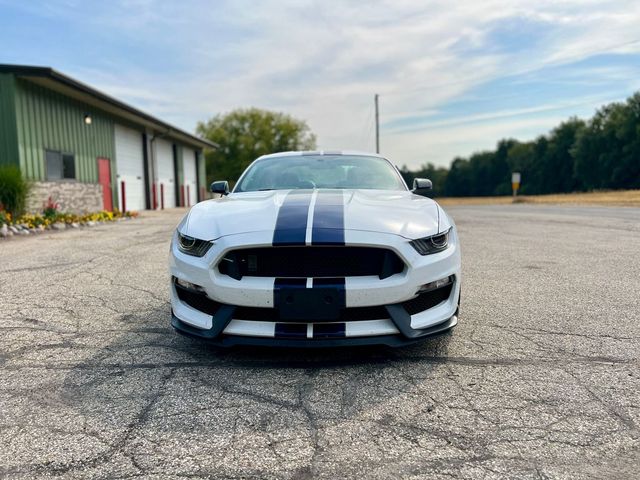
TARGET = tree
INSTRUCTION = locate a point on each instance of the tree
(557, 163)
(607, 153)
(500, 173)
(458, 181)
(437, 175)
(245, 134)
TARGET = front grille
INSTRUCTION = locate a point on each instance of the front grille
(310, 261)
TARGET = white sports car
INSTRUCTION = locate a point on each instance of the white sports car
(316, 249)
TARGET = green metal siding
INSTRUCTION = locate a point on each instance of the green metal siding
(8, 131)
(34, 118)
(48, 120)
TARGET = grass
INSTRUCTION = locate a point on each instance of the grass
(625, 198)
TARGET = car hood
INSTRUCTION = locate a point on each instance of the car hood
(394, 212)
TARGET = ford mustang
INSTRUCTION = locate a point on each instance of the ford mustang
(316, 249)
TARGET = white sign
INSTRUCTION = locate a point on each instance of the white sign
(515, 177)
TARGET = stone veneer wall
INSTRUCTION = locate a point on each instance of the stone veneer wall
(74, 197)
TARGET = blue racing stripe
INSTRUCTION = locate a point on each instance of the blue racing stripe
(290, 282)
(291, 224)
(328, 219)
(329, 330)
(291, 330)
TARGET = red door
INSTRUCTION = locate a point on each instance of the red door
(104, 179)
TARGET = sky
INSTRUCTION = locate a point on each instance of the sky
(454, 77)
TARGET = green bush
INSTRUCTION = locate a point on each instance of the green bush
(13, 190)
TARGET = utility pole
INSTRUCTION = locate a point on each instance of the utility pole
(377, 125)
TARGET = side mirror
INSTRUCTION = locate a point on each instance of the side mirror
(422, 186)
(221, 187)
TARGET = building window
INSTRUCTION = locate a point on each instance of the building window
(60, 165)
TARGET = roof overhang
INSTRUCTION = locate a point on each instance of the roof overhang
(56, 81)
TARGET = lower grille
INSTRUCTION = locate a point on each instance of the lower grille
(427, 300)
(310, 261)
(422, 302)
(199, 301)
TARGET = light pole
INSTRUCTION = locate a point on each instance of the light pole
(375, 98)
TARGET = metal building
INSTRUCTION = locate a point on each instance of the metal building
(89, 151)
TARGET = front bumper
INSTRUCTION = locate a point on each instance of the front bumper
(390, 315)
(387, 340)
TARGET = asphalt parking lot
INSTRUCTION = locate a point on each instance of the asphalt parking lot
(540, 379)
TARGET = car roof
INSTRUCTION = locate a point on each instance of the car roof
(303, 153)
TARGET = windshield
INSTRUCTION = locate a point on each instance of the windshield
(320, 171)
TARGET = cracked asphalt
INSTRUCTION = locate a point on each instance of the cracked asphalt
(539, 380)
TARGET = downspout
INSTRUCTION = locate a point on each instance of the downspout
(154, 177)
(147, 176)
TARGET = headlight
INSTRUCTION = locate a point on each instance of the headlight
(432, 244)
(193, 246)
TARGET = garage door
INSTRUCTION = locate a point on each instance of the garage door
(190, 177)
(130, 168)
(166, 189)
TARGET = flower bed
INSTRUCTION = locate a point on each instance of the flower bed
(52, 218)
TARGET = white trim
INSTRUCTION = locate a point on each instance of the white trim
(251, 328)
(365, 328)
(368, 328)
(312, 207)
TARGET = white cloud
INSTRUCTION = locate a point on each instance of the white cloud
(323, 61)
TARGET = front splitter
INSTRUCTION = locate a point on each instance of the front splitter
(399, 340)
